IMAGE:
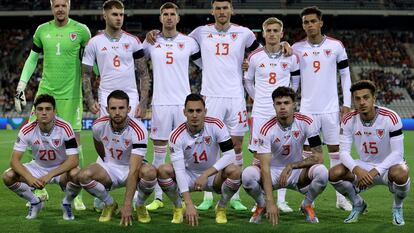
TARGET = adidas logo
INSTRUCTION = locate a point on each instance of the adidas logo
(104, 49)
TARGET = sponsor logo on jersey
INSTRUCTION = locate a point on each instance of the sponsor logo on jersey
(358, 133)
(380, 133)
(73, 36)
(368, 133)
(285, 66)
(126, 46)
(234, 36)
(37, 142)
(181, 46)
(207, 140)
(315, 53)
(296, 134)
(114, 47)
(188, 148)
(105, 139)
(104, 49)
(126, 142)
(277, 140)
(158, 46)
(327, 52)
(48, 36)
(56, 142)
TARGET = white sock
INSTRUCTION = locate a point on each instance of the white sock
(228, 189)
(71, 191)
(145, 188)
(281, 194)
(319, 175)
(251, 178)
(347, 189)
(98, 190)
(208, 196)
(24, 191)
(169, 187)
(160, 152)
(333, 161)
(400, 192)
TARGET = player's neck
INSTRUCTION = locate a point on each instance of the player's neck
(317, 39)
(118, 127)
(113, 33)
(222, 27)
(285, 122)
(272, 48)
(46, 128)
(169, 33)
(61, 23)
(369, 116)
(194, 130)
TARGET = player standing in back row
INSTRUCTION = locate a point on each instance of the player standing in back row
(61, 42)
(320, 58)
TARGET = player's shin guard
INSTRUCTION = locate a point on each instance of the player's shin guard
(228, 189)
(400, 192)
(98, 190)
(347, 189)
(24, 191)
(251, 178)
(333, 161)
(239, 162)
(71, 191)
(319, 175)
(169, 187)
(160, 152)
(145, 188)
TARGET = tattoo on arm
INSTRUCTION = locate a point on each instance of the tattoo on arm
(309, 161)
(86, 81)
(143, 78)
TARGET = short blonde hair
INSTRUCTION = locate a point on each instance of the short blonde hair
(272, 20)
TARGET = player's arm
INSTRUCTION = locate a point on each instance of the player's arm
(271, 208)
(143, 78)
(343, 67)
(87, 88)
(248, 79)
(397, 152)
(295, 73)
(100, 149)
(28, 69)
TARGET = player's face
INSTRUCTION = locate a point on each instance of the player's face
(114, 18)
(60, 10)
(364, 101)
(169, 18)
(284, 107)
(222, 12)
(273, 33)
(195, 112)
(312, 25)
(45, 113)
(118, 110)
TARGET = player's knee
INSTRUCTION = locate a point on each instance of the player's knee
(250, 176)
(9, 177)
(164, 171)
(148, 172)
(84, 176)
(233, 172)
(319, 172)
(398, 174)
(336, 173)
(73, 173)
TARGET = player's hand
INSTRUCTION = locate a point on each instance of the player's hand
(364, 178)
(200, 182)
(126, 216)
(45, 179)
(20, 98)
(35, 183)
(286, 49)
(141, 110)
(245, 65)
(344, 110)
(191, 215)
(284, 176)
(93, 106)
(272, 213)
(151, 35)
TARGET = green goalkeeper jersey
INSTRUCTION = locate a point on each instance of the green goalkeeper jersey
(61, 48)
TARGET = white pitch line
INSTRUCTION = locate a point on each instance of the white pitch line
(6, 142)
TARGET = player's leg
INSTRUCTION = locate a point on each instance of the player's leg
(70, 185)
(161, 126)
(399, 183)
(18, 185)
(146, 184)
(330, 124)
(251, 180)
(96, 179)
(71, 111)
(228, 181)
(311, 182)
(343, 181)
(166, 180)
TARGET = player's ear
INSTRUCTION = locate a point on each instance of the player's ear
(321, 23)
(129, 108)
(178, 18)
(160, 18)
(282, 33)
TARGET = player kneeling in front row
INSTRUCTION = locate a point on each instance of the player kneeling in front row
(55, 158)
(378, 138)
(196, 164)
(121, 142)
(281, 163)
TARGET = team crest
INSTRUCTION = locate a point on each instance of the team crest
(181, 46)
(126, 142)
(261, 142)
(56, 142)
(327, 52)
(255, 141)
(154, 130)
(73, 36)
(296, 134)
(126, 46)
(207, 140)
(285, 66)
(234, 36)
(171, 150)
(380, 133)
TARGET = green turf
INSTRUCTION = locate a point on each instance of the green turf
(378, 219)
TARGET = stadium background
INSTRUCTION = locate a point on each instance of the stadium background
(378, 36)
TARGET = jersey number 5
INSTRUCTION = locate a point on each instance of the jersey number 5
(169, 57)
(370, 148)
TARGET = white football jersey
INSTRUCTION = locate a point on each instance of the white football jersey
(318, 71)
(222, 54)
(286, 144)
(119, 146)
(269, 72)
(373, 141)
(48, 149)
(115, 62)
(200, 151)
(170, 60)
